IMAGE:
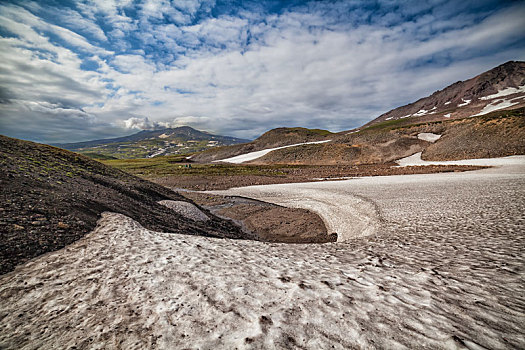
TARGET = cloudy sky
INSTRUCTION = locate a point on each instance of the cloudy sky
(81, 70)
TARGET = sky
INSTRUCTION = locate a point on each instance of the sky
(81, 70)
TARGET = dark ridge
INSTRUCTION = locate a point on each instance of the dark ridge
(51, 197)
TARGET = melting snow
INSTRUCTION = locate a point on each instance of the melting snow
(465, 102)
(496, 105)
(504, 92)
(420, 113)
(428, 136)
(415, 160)
(254, 155)
(445, 269)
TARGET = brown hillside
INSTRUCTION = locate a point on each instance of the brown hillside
(501, 133)
(463, 98)
(273, 138)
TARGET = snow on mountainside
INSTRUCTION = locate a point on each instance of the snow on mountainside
(500, 88)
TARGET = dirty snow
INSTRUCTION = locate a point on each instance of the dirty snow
(254, 155)
(504, 92)
(348, 216)
(415, 160)
(496, 105)
(428, 136)
(444, 270)
(185, 209)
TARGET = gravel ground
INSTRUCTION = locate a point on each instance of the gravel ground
(443, 269)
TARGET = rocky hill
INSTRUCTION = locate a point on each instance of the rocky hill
(500, 88)
(270, 139)
(152, 143)
(51, 197)
(497, 134)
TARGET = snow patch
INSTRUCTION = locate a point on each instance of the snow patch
(415, 160)
(447, 103)
(420, 113)
(465, 102)
(496, 105)
(504, 92)
(447, 115)
(254, 155)
(406, 116)
(428, 136)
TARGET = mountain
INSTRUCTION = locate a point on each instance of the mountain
(497, 134)
(274, 138)
(52, 197)
(500, 88)
(152, 143)
(480, 117)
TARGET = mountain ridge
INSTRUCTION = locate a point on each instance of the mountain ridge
(466, 98)
(151, 143)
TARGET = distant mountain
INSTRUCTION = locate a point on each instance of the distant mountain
(152, 143)
(501, 88)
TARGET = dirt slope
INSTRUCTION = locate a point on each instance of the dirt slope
(52, 197)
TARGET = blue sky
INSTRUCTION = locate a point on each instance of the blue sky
(80, 70)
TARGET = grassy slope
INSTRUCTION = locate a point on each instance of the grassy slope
(51, 197)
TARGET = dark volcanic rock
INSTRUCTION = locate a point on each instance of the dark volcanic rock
(52, 197)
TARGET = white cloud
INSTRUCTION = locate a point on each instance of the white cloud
(318, 65)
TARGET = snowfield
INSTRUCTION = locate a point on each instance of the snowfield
(415, 160)
(428, 136)
(443, 269)
(258, 154)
